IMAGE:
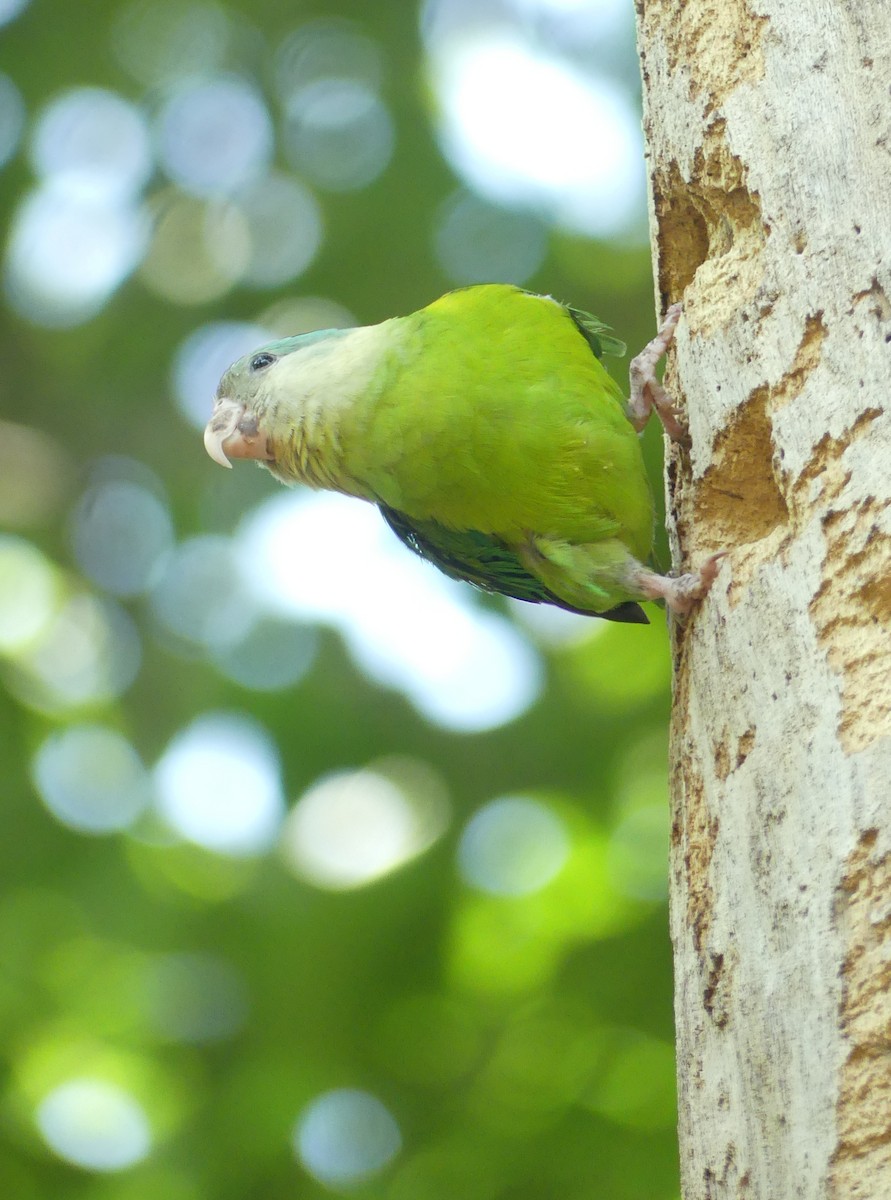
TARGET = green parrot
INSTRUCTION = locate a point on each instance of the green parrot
(487, 432)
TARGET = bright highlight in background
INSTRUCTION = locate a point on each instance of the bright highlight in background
(121, 532)
(337, 132)
(81, 231)
(89, 651)
(95, 1125)
(200, 597)
(351, 828)
(477, 242)
(28, 592)
(91, 779)
(9, 9)
(346, 1136)
(404, 622)
(219, 785)
(284, 225)
(512, 846)
(68, 252)
(92, 142)
(214, 135)
(527, 126)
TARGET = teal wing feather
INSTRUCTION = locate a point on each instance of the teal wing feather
(482, 560)
(598, 336)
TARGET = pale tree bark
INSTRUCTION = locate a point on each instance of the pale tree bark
(768, 125)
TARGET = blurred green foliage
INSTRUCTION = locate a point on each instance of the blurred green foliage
(516, 1034)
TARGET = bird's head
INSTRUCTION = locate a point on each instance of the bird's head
(266, 393)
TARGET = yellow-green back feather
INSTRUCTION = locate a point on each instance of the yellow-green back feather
(491, 412)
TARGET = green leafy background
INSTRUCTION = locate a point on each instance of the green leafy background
(520, 1041)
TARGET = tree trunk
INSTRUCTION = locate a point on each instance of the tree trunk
(769, 136)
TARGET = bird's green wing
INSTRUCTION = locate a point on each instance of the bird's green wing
(480, 559)
(598, 336)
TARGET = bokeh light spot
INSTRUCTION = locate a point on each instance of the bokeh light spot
(219, 785)
(346, 1136)
(274, 654)
(90, 651)
(10, 9)
(159, 41)
(304, 314)
(68, 252)
(29, 592)
(512, 846)
(513, 119)
(353, 827)
(91, 779)
(121, 533)
(199, 248)
(95, 1125)
(405, 623)
(201, 597)
(326, 48)
(284, 223)
(477, 242)
(214, 135)
(338, 133)
(93, 143)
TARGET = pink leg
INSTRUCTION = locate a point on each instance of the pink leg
(647, 392)
(682, 593)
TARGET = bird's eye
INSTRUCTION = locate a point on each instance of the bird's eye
(259, 361)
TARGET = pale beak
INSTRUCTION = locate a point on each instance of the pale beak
(234, 433)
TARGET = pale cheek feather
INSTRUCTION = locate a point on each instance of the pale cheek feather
(312, 394)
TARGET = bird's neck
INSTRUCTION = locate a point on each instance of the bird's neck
(326, 393)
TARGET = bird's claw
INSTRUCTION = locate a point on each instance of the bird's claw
(681, 593)
(647, 393)
(686, 591)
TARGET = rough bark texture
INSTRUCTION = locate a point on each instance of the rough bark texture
(769, 135)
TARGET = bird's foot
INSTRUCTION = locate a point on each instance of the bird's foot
(683, 592)
(647, 392)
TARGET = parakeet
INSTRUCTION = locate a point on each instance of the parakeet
(487, 432)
